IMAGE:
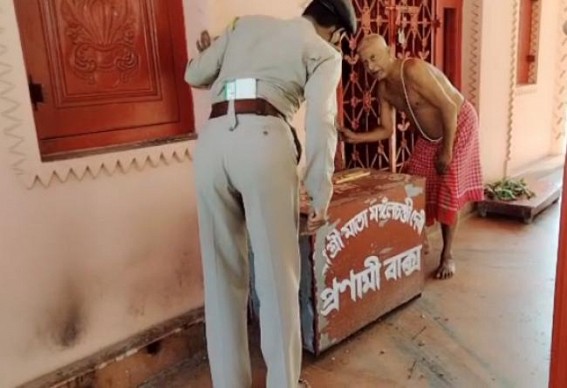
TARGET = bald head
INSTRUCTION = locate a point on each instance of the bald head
(375, 55)
(374, 41)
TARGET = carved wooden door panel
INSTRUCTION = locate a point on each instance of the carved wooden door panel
(105, 72)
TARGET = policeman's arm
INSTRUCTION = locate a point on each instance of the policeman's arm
(203, 70)
(321, 133)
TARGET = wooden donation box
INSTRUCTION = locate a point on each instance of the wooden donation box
(366, 261)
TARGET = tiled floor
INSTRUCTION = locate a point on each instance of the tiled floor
(490, 326)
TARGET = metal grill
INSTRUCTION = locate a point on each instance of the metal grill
(408, 26)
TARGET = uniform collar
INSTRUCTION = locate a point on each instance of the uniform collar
(309, 25)
(305, 22)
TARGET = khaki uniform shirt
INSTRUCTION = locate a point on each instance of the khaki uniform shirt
(292, 64)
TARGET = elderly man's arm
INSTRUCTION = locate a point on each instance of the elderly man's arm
(382, 132)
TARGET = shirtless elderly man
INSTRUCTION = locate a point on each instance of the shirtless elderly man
(446, 152)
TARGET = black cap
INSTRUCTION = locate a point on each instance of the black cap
(345, 11)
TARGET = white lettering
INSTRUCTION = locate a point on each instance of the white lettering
(356, 225)
(361, 283)
(334, 244)
(383, 211)
(407, 262)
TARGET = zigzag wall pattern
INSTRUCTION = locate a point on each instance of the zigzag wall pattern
(9, 107)
(561, 84)
(512, 92)
(475, 46)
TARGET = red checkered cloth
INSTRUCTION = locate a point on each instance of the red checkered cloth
(462, 183)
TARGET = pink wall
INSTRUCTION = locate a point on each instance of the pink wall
(89, 262)
(106, 256)
(494, 84)
(534, 105)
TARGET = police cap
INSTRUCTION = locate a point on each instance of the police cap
(345, 12)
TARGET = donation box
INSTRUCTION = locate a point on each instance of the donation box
(366, 261)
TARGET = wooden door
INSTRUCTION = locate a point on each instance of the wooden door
(558, 370)
(526, 58)
(105, 72)
(448, 39)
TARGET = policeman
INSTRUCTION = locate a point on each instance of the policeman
(259, 72)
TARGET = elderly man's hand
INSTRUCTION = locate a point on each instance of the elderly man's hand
(349, 136)
(442, 163)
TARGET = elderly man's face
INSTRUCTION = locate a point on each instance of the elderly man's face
(375, 60)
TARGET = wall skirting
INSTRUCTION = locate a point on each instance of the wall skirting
(134, 359)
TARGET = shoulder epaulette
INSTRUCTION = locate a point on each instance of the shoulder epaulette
(232, 24)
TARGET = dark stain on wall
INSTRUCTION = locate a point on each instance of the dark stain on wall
(66, 321)
(71, 327)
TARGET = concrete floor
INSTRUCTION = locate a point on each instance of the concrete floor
(490, 326)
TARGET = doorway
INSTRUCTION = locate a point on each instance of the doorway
(426, 29)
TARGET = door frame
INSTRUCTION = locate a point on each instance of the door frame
(439, 45)
(558, 365)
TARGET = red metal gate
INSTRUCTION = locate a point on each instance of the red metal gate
(409, 28)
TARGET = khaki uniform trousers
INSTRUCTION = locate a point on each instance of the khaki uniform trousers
(247, 181)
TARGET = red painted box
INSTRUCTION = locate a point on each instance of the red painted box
(366, 262)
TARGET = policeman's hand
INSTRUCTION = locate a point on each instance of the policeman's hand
(204, 42)
(315, 221)
(349, 136)
(443, 162)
